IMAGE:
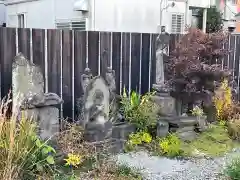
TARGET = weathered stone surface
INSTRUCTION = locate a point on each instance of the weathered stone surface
(27, 79)
(41, 100)
(202, 123)
(122, 130)
(47, 120)
(110, 79)
(96, 103)
(162, 128)
(179, 121)
(98, 132)
(86, 78)
(167, 105)
(29, 96)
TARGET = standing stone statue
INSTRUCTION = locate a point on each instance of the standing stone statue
(30, 99)
(110, 79)
(96, 101)
(85, 78)
(162, 98)
(161, 53)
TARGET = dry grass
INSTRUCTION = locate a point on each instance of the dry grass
(19, 154)
(96, 164)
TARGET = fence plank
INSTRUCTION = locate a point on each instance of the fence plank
(153, 68)
(172, 43)
(38, 45)
(7, 54)
(67, 72)
(79, 65)
(54, 60)
(116, 55)
(125, 60)
(145, 62)
(93, 52)
(135, 61)
(105, 43)
(231, 55)
(237, 56)
(24, 41)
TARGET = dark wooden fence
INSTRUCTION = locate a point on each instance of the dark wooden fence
(63, 56)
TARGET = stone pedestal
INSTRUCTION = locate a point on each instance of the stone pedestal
(185, 128)
(162, 128)
(96, 133)
(111, 139)
(164, 100)
(43, 110)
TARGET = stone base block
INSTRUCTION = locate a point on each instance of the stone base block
(47, 119)
(122, 131)
(166, 103)
(162, 128)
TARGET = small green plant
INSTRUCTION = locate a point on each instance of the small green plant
(139, 110)
(197, 111)
(22, 154)
(64, 177)
(233, 128)
(138, 138)
(126, 171)
(170, 146)
(232, 170)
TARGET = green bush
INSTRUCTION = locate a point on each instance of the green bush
(233, 169)
(138, 138)
(233, 128)
(139, 110)
(170, 146)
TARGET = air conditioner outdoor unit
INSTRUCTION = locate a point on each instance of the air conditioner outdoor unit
(81, 5)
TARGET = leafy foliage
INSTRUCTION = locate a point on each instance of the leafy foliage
(139, 110)
(136, 139)
(213, 142)
(234, 129)
(214, 20)
(22, 154)
(194, 67)
(223, 101)
(171, 146)
(197, 111)
(233, 169)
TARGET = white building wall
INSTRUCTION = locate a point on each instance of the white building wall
(38, 14)
(132, 16)
(105, 15)
(2, 13)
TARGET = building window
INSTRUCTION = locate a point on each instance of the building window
(73, 25)
(21, 20)
(234, 1)
(177, 23)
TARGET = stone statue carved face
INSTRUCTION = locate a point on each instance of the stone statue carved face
(98, 97)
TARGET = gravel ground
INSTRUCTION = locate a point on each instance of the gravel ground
(161, 168)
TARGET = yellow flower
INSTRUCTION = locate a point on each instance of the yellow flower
(146, 137)
(135, 139)
(73, 160)
(164, 145)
